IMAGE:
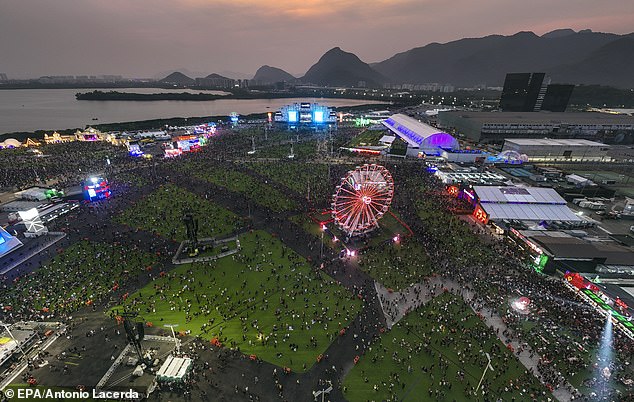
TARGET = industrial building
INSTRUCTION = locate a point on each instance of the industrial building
(566, 250)
(526, 204)
(532, 92)
(422, 139)
(495, 127)
(552, 150)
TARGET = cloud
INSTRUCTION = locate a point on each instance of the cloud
(141, 37)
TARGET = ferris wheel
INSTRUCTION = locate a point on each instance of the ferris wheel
(362, 198)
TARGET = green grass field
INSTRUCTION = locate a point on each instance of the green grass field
(396, 266)
(433, 354)
(367, 138)
(85, 271)
(302, 150)
(239, 182)
(265, 300)
(298, 176)
(162, 212)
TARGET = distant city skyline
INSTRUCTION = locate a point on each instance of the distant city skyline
(144, 38)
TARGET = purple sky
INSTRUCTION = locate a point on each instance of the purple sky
(142, 38)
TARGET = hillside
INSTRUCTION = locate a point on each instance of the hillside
(339, 68)
(177, 78)
(271, 75)
(564, 54)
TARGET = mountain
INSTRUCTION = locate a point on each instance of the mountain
(214, 76)
(177, 78)
(606, 62)
(339, 68)
(271, 75)
(472, 61)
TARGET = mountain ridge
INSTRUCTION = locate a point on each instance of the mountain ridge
(339, 68)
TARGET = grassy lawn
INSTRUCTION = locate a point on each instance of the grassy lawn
(242, 183)
(298, 176)
(367, 138)
(314, 229)
(302, 150)
(85, 271)
(457, 238)
(162, 212)
(265, 300)
(396, 266)
(434, 354)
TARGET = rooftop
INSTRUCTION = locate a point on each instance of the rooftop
(572, 247)
(518, 195)
(550, 142)
(541, 117)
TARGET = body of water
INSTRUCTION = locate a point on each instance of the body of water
(57, 109)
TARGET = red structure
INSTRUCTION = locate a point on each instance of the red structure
(481, 215)
(362, 198)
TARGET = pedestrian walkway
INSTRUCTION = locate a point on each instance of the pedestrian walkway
(396, 305)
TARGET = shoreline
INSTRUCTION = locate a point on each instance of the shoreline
(158, 123)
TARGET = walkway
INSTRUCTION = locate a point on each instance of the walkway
(397, 304)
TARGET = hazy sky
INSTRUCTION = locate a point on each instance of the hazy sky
(141, 38)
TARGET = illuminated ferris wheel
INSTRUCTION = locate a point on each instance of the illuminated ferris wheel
(362, 198)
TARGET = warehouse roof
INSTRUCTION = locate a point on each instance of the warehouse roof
(553, 142)
(541, 117)
(521, 195)
(524, 204)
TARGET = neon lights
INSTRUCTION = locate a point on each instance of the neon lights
(606, 307)
(453, 190)
(468, 194)
(529, 243)
(481, 215)
(96, 188)
(318, 116)
(364, 151)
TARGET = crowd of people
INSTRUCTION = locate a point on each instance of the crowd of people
(264, 300)
(290, 310)
(64, 164)
(497, 274)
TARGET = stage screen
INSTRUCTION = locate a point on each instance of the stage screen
(319, 117)
(292, 116)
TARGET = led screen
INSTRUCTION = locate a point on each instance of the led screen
(318, 117)
(292, 116)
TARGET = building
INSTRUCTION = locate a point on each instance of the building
(56, 138)
(531, 92)
(574, 250)
(520, 91)
(530, 205)
(422, 139)
(470, 177)
(557, 97)
(547, 150)
(8, 243)
(495, 127)
(305, 114)
(10, 143)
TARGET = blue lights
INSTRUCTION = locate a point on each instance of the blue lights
(305, 113)
(96, 188)
(7, 242)
(135, 150)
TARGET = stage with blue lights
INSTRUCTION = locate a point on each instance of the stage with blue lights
(305, 114)
(96, 188)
